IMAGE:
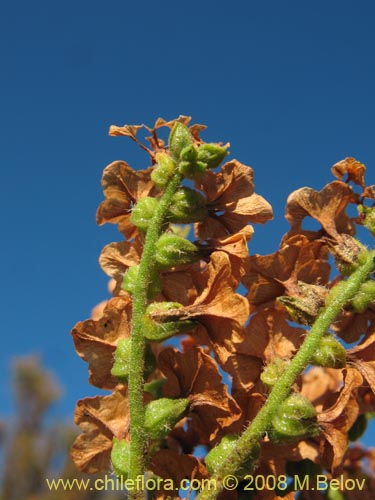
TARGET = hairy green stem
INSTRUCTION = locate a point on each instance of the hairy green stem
(138, 438)
(262, 422)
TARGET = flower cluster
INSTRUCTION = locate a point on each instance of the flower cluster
(189, 361)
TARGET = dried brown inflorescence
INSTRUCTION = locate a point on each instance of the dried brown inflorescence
(240, 336)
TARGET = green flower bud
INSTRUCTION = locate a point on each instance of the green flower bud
(131, 277)
(120, 457)
(162, 414)
(120, 368)
(189, 154)
(164, 327)
(215, 457)
(173, 251)
(211, 155)
(330, 354)
(273, 371)
(179, 138)
(295, 419)
(142, 212)
(163, 170)
(192, 170)
(187, 206)
(364, 297)
(358, 428)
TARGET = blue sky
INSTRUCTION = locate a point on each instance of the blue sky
(289, 84)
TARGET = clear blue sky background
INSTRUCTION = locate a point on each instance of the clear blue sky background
(289, 83)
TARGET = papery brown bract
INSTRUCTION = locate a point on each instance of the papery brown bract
(267, 336)
(362, 357)
(337, 411)
(352, 168)
(327, 206)
(194, 374)
(235, 246)
(231, 201)
(171, 465)
(95, 340)
(101, 419)
(122, 187)
(276, 274)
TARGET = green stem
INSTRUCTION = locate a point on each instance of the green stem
(138, 438)
(262, 422)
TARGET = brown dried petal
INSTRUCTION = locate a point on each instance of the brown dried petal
(269, 335)
(232, 203)
(273, 275)
(354, 169)
(122, 188)
(326, 206)
(126, 130)
(235, 246)
(100, 418)
(116, 258)
(340, 410)
(362, 357)
(194, 374)
(350, 326)
(96, 341)
(170, 465)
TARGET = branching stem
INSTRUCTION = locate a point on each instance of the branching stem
(262, 422)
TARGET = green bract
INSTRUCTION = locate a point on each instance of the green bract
(120, 457)
(211, 155)
(179, 138)
(163, 170)
(364, 297)
(171, 250)
(143, 212)
(295, 419)
(192, 170)
(331, 354)
(162, 414)
(187, 206)
(121, 365)
(131, 277)
(167, 324)
(273, 371)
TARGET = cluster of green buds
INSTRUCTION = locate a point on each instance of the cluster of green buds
(295, 419)
(193, 161)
